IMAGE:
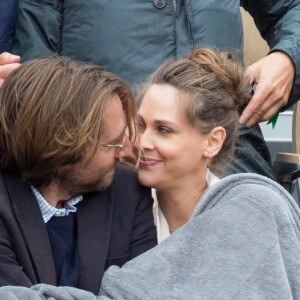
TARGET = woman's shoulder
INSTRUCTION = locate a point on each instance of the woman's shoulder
(248, 185)
(248, 192)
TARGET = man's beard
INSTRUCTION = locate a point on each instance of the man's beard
(74, 182)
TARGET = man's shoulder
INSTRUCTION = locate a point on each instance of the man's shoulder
(3, 189)
(3, 185)
(12, 181)
(8, 200)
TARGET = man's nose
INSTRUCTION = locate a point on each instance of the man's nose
(127, 148)
(129, 154)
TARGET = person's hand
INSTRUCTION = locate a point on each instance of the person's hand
(8, 63)
(273, 76)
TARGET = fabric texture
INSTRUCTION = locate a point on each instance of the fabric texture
(113, 227)
(63, 240)
(242, 242)
(110, 35)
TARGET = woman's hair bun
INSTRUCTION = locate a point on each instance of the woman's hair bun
(227, 68)
(213, 92)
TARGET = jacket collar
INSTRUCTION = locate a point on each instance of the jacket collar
(34, 230)
(94, 218)
(94, 221)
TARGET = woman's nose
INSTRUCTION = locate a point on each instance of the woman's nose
(146, 140)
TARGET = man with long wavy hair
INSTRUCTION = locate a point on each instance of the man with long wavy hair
(67, 212)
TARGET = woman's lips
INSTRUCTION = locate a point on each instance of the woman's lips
(148, 162)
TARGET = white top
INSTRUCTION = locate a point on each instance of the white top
(160, 220)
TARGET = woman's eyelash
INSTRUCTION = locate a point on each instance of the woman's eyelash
(161, 129)
(141, 125)
(164, 129)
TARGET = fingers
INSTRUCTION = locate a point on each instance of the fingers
(264, 105)
(7, 58)
(8, 63)
(256, 108)
(273, 76)
(255, 113)
(6, 70)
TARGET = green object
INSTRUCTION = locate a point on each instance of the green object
(273, 120)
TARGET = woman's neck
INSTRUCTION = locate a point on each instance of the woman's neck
(178, 203)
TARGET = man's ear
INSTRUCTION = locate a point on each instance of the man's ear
(215, 140)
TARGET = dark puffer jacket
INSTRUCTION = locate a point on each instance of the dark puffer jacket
(133, 37)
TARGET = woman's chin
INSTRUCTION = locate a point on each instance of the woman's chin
(147, 179)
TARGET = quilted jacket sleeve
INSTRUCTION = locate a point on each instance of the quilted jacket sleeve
(279, 24)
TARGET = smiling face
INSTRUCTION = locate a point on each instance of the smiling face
(173, 150)
(97, 175)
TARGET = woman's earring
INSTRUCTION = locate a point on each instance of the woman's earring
(207, 162)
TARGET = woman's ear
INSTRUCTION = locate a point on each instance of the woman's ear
(215, 140)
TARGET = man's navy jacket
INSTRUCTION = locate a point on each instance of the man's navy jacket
(113, 227)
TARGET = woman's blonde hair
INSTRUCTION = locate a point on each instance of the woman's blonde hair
(51, 110)
(213, 88)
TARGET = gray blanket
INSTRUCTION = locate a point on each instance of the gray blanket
(242, 242)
